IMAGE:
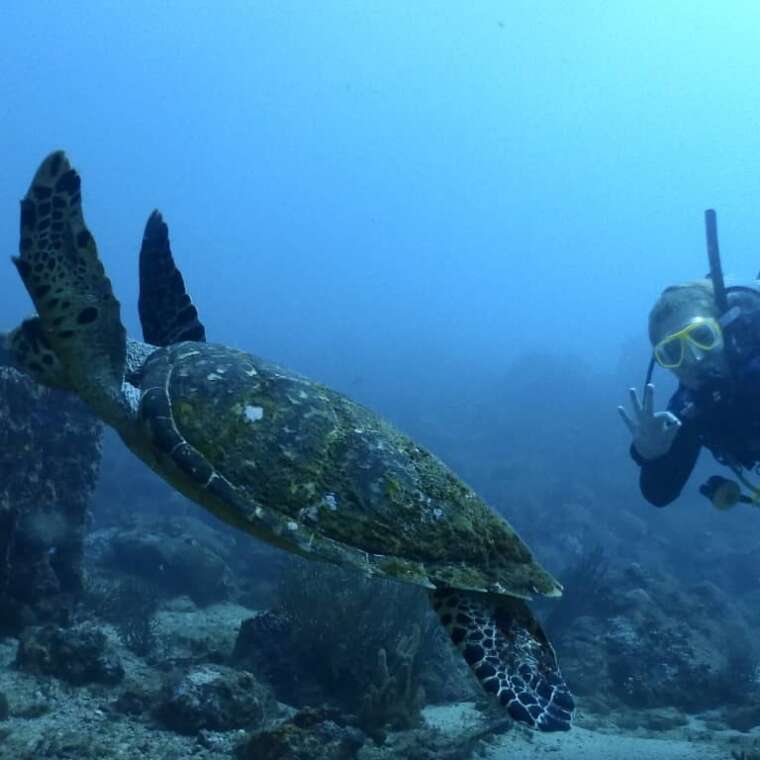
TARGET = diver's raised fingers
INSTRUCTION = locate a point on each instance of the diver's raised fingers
(629, 423)
(635, 403)
(648, 400)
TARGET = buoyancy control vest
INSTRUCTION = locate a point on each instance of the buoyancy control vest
(726, 412)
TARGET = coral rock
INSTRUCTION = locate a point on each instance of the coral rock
(79, 655)
(214, 697)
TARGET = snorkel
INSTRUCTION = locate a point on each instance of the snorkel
(715, 275)
(713, 256)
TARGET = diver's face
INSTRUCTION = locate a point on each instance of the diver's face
(698, 349)
(700, 366)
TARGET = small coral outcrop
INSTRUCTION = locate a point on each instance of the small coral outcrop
(310, 733)
(79, 655)
(213, 697)
(394, 698)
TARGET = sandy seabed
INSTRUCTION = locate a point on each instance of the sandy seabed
(51, 719)
(693, 741)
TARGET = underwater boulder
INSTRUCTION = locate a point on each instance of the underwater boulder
(263, 646)
(80, 654)
(179, 556)
(742, 717)
(310, 733)
(213, 697)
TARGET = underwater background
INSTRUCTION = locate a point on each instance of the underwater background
(459, 215)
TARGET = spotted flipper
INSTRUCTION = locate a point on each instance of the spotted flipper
(167, 314)
(30, 351)
(510, 655)
(58, 262)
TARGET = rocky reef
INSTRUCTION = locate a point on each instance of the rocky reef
(49, 457)
(178, 637)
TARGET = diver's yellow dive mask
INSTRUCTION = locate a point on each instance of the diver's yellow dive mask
(702, 333)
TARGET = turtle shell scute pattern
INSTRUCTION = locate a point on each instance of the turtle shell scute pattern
(155, 412)
(329, 467)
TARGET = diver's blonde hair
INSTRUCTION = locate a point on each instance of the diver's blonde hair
(689, 299)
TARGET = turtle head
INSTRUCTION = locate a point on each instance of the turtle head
(27, 349)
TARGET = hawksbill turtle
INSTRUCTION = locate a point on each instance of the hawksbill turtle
(275, 454)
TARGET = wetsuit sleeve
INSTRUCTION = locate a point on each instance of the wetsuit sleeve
(661, 480)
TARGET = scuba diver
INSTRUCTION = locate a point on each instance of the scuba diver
(708, 336)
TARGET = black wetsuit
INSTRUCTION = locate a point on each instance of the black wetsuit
(723, 416)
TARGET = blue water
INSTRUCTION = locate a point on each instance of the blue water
(457, 214)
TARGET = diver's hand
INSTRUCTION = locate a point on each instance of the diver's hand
(653, 432)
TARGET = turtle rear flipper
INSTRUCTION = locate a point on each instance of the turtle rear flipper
(167, 314)
(58, 262)
(505, 647)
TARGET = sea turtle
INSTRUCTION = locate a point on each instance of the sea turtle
(277, 455)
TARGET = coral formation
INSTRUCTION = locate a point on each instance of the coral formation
(394, 699)
(130, 604)
(360, 642)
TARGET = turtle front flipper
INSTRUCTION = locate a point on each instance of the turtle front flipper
(58, 262)
(511, 657)
(167, 314)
